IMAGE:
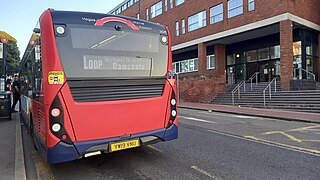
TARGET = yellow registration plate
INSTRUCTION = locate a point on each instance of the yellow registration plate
(124, 145)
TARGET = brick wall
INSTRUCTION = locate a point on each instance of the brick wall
(204, 85)
(200, 88)
(262, 11)
(307, 9)
(286, 51)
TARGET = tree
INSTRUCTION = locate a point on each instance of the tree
(12, 54)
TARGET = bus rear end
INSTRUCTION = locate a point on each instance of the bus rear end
(108, 84)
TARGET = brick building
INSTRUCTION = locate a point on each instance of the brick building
(217, 43)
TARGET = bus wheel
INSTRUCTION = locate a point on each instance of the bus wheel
(34, 140)
(32, 132)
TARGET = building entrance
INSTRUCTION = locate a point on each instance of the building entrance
(269, 70)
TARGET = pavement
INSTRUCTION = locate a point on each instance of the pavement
(267, 113)
(12, 157)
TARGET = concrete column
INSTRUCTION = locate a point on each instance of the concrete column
(202, 58)
(286, 57)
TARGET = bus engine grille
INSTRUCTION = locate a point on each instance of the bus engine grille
(110, 90)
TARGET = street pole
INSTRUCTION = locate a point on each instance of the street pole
(4, 61)
(4, 41)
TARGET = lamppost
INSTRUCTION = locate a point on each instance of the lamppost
(3, 55)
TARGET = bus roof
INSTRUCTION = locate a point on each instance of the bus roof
(87, 18)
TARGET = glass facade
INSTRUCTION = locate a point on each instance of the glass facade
(189, 65)
(242, 65)
(305, 54)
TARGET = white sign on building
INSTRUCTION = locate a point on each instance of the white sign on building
(1, 50)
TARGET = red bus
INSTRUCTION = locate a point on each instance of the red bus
(97, 83)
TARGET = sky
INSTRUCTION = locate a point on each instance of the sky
(19, 17)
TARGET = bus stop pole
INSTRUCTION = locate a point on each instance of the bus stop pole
(178, 89)
(4, 62)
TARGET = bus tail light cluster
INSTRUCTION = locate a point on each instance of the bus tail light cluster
(57, 121)
(173, 109)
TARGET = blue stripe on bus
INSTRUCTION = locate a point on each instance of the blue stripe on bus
(63, 152)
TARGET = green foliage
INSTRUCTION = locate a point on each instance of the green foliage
(13, 58)
(12, 54)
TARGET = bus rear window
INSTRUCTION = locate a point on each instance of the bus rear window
(97, 52)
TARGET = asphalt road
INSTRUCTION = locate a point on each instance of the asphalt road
(210, 146)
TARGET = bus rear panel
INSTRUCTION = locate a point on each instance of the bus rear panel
(107, 84)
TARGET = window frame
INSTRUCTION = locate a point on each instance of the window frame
(183, 26)
(179, 2)
(216, 14)
(235, 7)
(208, 62)
(156, 10)
(204, 21)
(251, 8)
(194, 62)
(177, 28)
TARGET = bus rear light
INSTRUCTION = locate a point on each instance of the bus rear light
(55, 112)
(60, 30)
(56, 127)
(174, 113)
(173, 109)
(173, 102)
(56, 118)
(64, 137)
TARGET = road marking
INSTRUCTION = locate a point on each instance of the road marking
(271, 143)
(244, 117)
(311, 140)
(303, 128)
(196, 119)
(214, 115)
(154, 148)
(205, 172)
(20, 170)
(285, 134)
(285, 145)
(237, 116)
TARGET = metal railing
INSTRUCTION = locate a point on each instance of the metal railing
(238, 89)
(269, 86)
(309, 73)
(254, 76)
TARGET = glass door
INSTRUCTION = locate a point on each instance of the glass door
(241, 72)
(231, 74)
(265, 72)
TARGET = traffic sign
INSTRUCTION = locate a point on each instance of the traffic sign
(4, 40)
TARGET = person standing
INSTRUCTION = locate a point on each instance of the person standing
(8, 85)
(16, 93)
(24, 86)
